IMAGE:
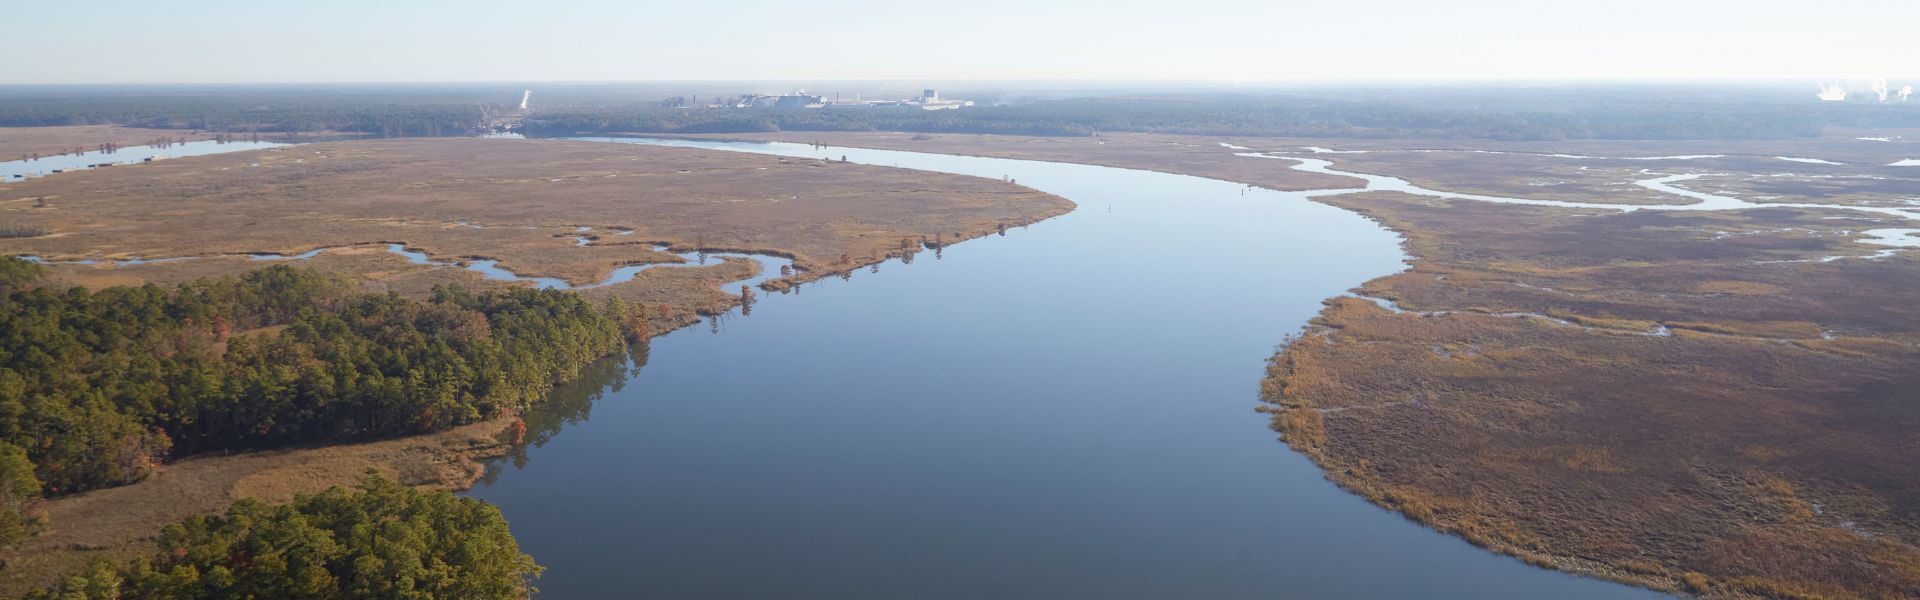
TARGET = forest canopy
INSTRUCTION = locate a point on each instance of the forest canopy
(387, 115)
(99, 387)
(1253, 115)
(382, 540)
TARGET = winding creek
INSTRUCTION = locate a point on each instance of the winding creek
(767, 267)
(1065, 411)
(1890, 236)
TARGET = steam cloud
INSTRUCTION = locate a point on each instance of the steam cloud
(529, 96)
(1832, 92)
(1836, 92)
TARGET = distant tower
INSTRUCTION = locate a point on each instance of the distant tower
(524, 98)
(929, 95)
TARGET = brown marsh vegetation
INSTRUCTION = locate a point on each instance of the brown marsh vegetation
(518, 201)
(1683, 410)
(1691, 401)
(1549, 173)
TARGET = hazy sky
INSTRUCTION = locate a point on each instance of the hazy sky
(197, 41)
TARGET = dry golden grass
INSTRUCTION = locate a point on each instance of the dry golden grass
(516, 201)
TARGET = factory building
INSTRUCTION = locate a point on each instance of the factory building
(929, 99)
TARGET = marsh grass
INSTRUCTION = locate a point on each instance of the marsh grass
(1750, 453)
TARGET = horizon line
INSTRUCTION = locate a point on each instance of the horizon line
(1012, 79)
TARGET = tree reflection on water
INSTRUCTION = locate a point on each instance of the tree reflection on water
(569, 404)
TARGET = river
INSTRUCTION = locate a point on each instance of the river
(1065, 411)
(15, 170)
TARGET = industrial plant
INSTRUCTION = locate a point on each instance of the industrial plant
(929, 99)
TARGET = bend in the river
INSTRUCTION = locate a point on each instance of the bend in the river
(1065, 411)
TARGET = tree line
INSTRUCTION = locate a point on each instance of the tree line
(99, 387)
(1253, 115)
(371, 115)
(381, 540)
(1504, 113)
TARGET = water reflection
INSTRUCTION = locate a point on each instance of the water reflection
(570, 404)
(991, 425)
(17, 170)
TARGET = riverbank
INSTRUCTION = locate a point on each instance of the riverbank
(1678, 399)
(982, 409)
(122, 522)
(18, 143)
(571, 211)
(407, 215)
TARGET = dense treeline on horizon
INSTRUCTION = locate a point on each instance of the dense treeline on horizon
(385, 116)
(1623, 112)
(1263, 116)
(98, 387)
(381, 540)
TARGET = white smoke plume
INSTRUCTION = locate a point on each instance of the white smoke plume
(1880, 89)
(1832, 92)
(524, 98)
(1905, 91)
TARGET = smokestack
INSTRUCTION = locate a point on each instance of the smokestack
(524, 98)
(1880, 89)
(1832, 92)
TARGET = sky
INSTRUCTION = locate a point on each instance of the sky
(220, 41)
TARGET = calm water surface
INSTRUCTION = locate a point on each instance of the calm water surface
(15, 170)
(1062, 412)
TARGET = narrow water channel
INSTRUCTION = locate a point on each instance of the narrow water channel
(1066, 411)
